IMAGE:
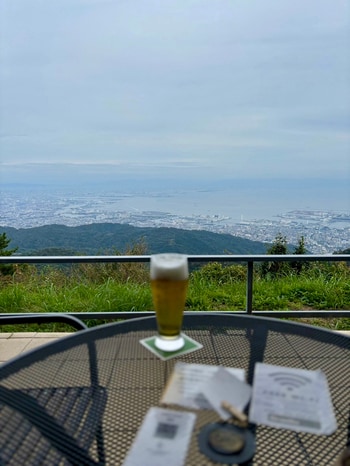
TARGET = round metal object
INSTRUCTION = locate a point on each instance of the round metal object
(226, 443)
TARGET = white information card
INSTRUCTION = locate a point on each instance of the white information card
(294, 399)
(188, 382)
(162, 439)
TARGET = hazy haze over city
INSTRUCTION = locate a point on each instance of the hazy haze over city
(231, 107)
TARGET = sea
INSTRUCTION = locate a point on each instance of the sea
(235, 199)
(253, 208)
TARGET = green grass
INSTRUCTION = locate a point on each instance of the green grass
(213, 288)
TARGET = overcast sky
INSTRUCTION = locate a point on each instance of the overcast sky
(229, 87)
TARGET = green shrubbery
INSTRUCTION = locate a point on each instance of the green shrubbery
(219, 274)
(320, 286)
(6, 269)
(137, 273)
(213, 287)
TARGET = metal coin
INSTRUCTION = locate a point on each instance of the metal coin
(226, 441)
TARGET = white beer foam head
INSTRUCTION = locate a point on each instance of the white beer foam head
(169, 266)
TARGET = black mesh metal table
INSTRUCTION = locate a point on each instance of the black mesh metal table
(81, 400)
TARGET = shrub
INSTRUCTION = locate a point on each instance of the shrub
(220, 274)
(135, 272)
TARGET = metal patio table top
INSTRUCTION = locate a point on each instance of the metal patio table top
(81, 399)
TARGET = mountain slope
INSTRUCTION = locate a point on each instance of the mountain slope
(102, 238)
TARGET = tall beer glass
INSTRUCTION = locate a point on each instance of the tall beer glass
(169, 283)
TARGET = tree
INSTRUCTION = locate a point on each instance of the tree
(299, 266)
(279, 246)
(276, 268)
(4, 251)
(300, 249)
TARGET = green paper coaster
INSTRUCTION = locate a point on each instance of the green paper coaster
(189, 346)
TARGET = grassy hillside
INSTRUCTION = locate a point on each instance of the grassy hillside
(213, 287)
(99, 238)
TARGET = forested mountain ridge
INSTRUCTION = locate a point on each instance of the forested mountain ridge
(102, 238)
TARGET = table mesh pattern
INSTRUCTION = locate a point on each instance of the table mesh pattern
(232, 348)
(134, 380)
(21, 443)
(53, 385)
(139, 379)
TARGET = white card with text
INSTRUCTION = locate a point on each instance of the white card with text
(294, 399)
(162, 439)
(185, 385)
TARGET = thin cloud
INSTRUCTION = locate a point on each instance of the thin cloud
(232, 83)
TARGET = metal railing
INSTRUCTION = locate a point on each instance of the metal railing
(249, 260)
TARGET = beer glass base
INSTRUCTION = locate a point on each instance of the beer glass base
(169, 344)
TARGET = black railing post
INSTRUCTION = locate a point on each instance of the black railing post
(249, 304)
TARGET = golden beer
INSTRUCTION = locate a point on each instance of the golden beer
(169, 297)
(169, 283)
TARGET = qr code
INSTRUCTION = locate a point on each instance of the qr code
(167, 431)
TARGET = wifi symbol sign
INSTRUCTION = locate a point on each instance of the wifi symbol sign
(290, 381)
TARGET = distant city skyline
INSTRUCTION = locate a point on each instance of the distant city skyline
(193, 89)
(173, 192)
(237, 211)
